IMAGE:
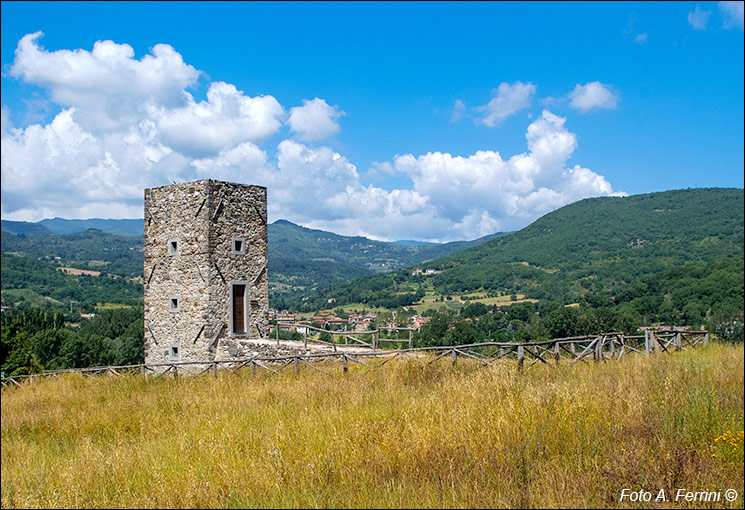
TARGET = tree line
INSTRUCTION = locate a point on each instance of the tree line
(34, 340)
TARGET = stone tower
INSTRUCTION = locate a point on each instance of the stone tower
(205, 269)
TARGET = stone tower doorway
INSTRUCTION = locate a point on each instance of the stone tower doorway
(239, 309)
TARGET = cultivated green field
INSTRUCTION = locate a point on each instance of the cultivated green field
(401, 435)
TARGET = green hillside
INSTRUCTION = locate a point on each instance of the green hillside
(92, 249)
(38, 283)
(600, 242)
(594, 246)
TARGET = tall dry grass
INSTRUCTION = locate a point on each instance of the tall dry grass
(396, 436)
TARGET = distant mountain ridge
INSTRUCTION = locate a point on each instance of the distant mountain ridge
(410, 242)
(61, 226)
(126, 227)
(24, 227)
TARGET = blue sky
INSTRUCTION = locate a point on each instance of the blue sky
(431, 121)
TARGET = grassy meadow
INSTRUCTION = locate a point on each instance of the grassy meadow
(401, 435)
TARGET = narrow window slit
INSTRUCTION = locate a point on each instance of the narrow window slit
(239, 245)
(174, 353)
(173, 247)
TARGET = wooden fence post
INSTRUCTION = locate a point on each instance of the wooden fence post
(214, 369)
(454, 356)
(557, 357)
(344, 363)
(520, 357)
(411, 336)
(599, 349)
(297, 364)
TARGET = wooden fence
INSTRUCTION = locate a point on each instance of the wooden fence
(598, 348)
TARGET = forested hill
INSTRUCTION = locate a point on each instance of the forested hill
(677, 226)
(300, 256)
(593, 246)
(92, 249)
(599, 241)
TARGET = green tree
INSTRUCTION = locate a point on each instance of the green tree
(461, 333)
(46, 345)
(81, 351)
(434, 332)
(562, 322)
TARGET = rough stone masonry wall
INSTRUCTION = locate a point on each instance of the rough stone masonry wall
(240, 349)
(238, 211)
(203, 217)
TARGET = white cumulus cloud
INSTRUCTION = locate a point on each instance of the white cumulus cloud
(107, 86)
(227, 118)
(62, 170)
(699, 19)
(123, 124)
(459, 108)
(315, 120)
(508, 100)
(734, 14)
(482, 193)
(591, 96)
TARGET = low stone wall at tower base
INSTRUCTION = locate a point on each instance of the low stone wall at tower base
(229, 349)
(265, 351)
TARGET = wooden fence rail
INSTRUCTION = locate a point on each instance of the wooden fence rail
(553, 352)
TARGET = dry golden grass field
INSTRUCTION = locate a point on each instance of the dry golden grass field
(398, 436)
